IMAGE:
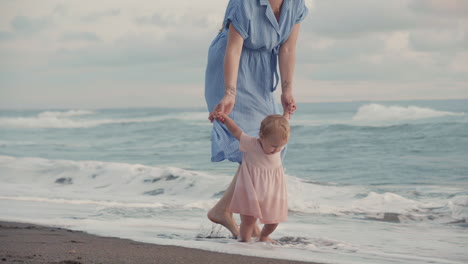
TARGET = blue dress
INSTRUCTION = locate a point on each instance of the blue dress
(258, 75)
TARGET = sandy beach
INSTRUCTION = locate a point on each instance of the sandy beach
(29, 243)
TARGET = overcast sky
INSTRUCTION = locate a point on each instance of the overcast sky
(142, 53)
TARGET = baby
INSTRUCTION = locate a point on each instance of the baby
(260, 191)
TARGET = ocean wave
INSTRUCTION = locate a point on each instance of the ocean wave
(382, 113)
(375, 116)
(61, 114)
(68, 119)
(67, 181)
(82, 201)
(5, 143)
(101, 180)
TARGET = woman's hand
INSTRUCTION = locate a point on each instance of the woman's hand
(288, 103)
(225, 106)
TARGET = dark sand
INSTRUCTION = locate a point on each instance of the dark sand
(29, 243)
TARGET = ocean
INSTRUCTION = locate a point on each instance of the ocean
(368, 182)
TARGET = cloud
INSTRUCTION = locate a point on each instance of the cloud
(155, 19)
(139, 49)
(344, 19)
(57, 49)
(80, 36)
(390, 59)
(329, 91)
(317, 49)
(393, 70)
(26, 25)
(169, 20)
(368, 41)
(165, 40)
(60, 10)
(445, 41)
(4, 36)
(95, 16)
(447, 8)
(336, 18)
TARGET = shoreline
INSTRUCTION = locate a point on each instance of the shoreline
(32, 243)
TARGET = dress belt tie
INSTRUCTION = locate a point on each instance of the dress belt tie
(274, 66)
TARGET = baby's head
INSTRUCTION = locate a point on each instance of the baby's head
(274, 133)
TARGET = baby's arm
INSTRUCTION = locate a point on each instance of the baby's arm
(230, 124)
(286, 113)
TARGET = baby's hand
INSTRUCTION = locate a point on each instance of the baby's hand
(221, 117)
(287, 111)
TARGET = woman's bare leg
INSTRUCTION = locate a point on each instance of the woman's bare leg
(221, 214)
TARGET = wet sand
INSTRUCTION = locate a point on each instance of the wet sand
(30, 243)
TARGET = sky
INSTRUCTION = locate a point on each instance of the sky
(141, 53)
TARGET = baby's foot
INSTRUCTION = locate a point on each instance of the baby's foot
(268, 240)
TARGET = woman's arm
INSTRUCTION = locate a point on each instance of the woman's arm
(231, 69)
(231, 60)
(287, 61)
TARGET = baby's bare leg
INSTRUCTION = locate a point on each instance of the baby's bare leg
(246, 227)
(266, 231)
(256, 231)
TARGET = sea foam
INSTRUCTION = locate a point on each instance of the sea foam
(71, 119)
(382, 113)
(95, 182)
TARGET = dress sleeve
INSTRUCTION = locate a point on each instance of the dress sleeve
(247, 143)
(238, 16)
(301, 12)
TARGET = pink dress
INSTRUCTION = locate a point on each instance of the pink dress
(260, 187)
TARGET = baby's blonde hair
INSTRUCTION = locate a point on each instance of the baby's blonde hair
(275, 124)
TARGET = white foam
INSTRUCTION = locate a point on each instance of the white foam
(67, 119)
(59, 114)
(107, 198)
(386, 202)
(139, 186)
(382, 113)
(66, 179)
(82, 202)
(312, 246)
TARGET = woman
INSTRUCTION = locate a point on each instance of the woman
(241, 76)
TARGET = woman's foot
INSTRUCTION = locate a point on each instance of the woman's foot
(225, 219)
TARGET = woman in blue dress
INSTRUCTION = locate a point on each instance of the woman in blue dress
(241, 75)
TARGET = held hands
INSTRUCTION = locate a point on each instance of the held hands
(288, 103)
(220, 116)
(224, 106)
(287, 112)
(229, 123)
